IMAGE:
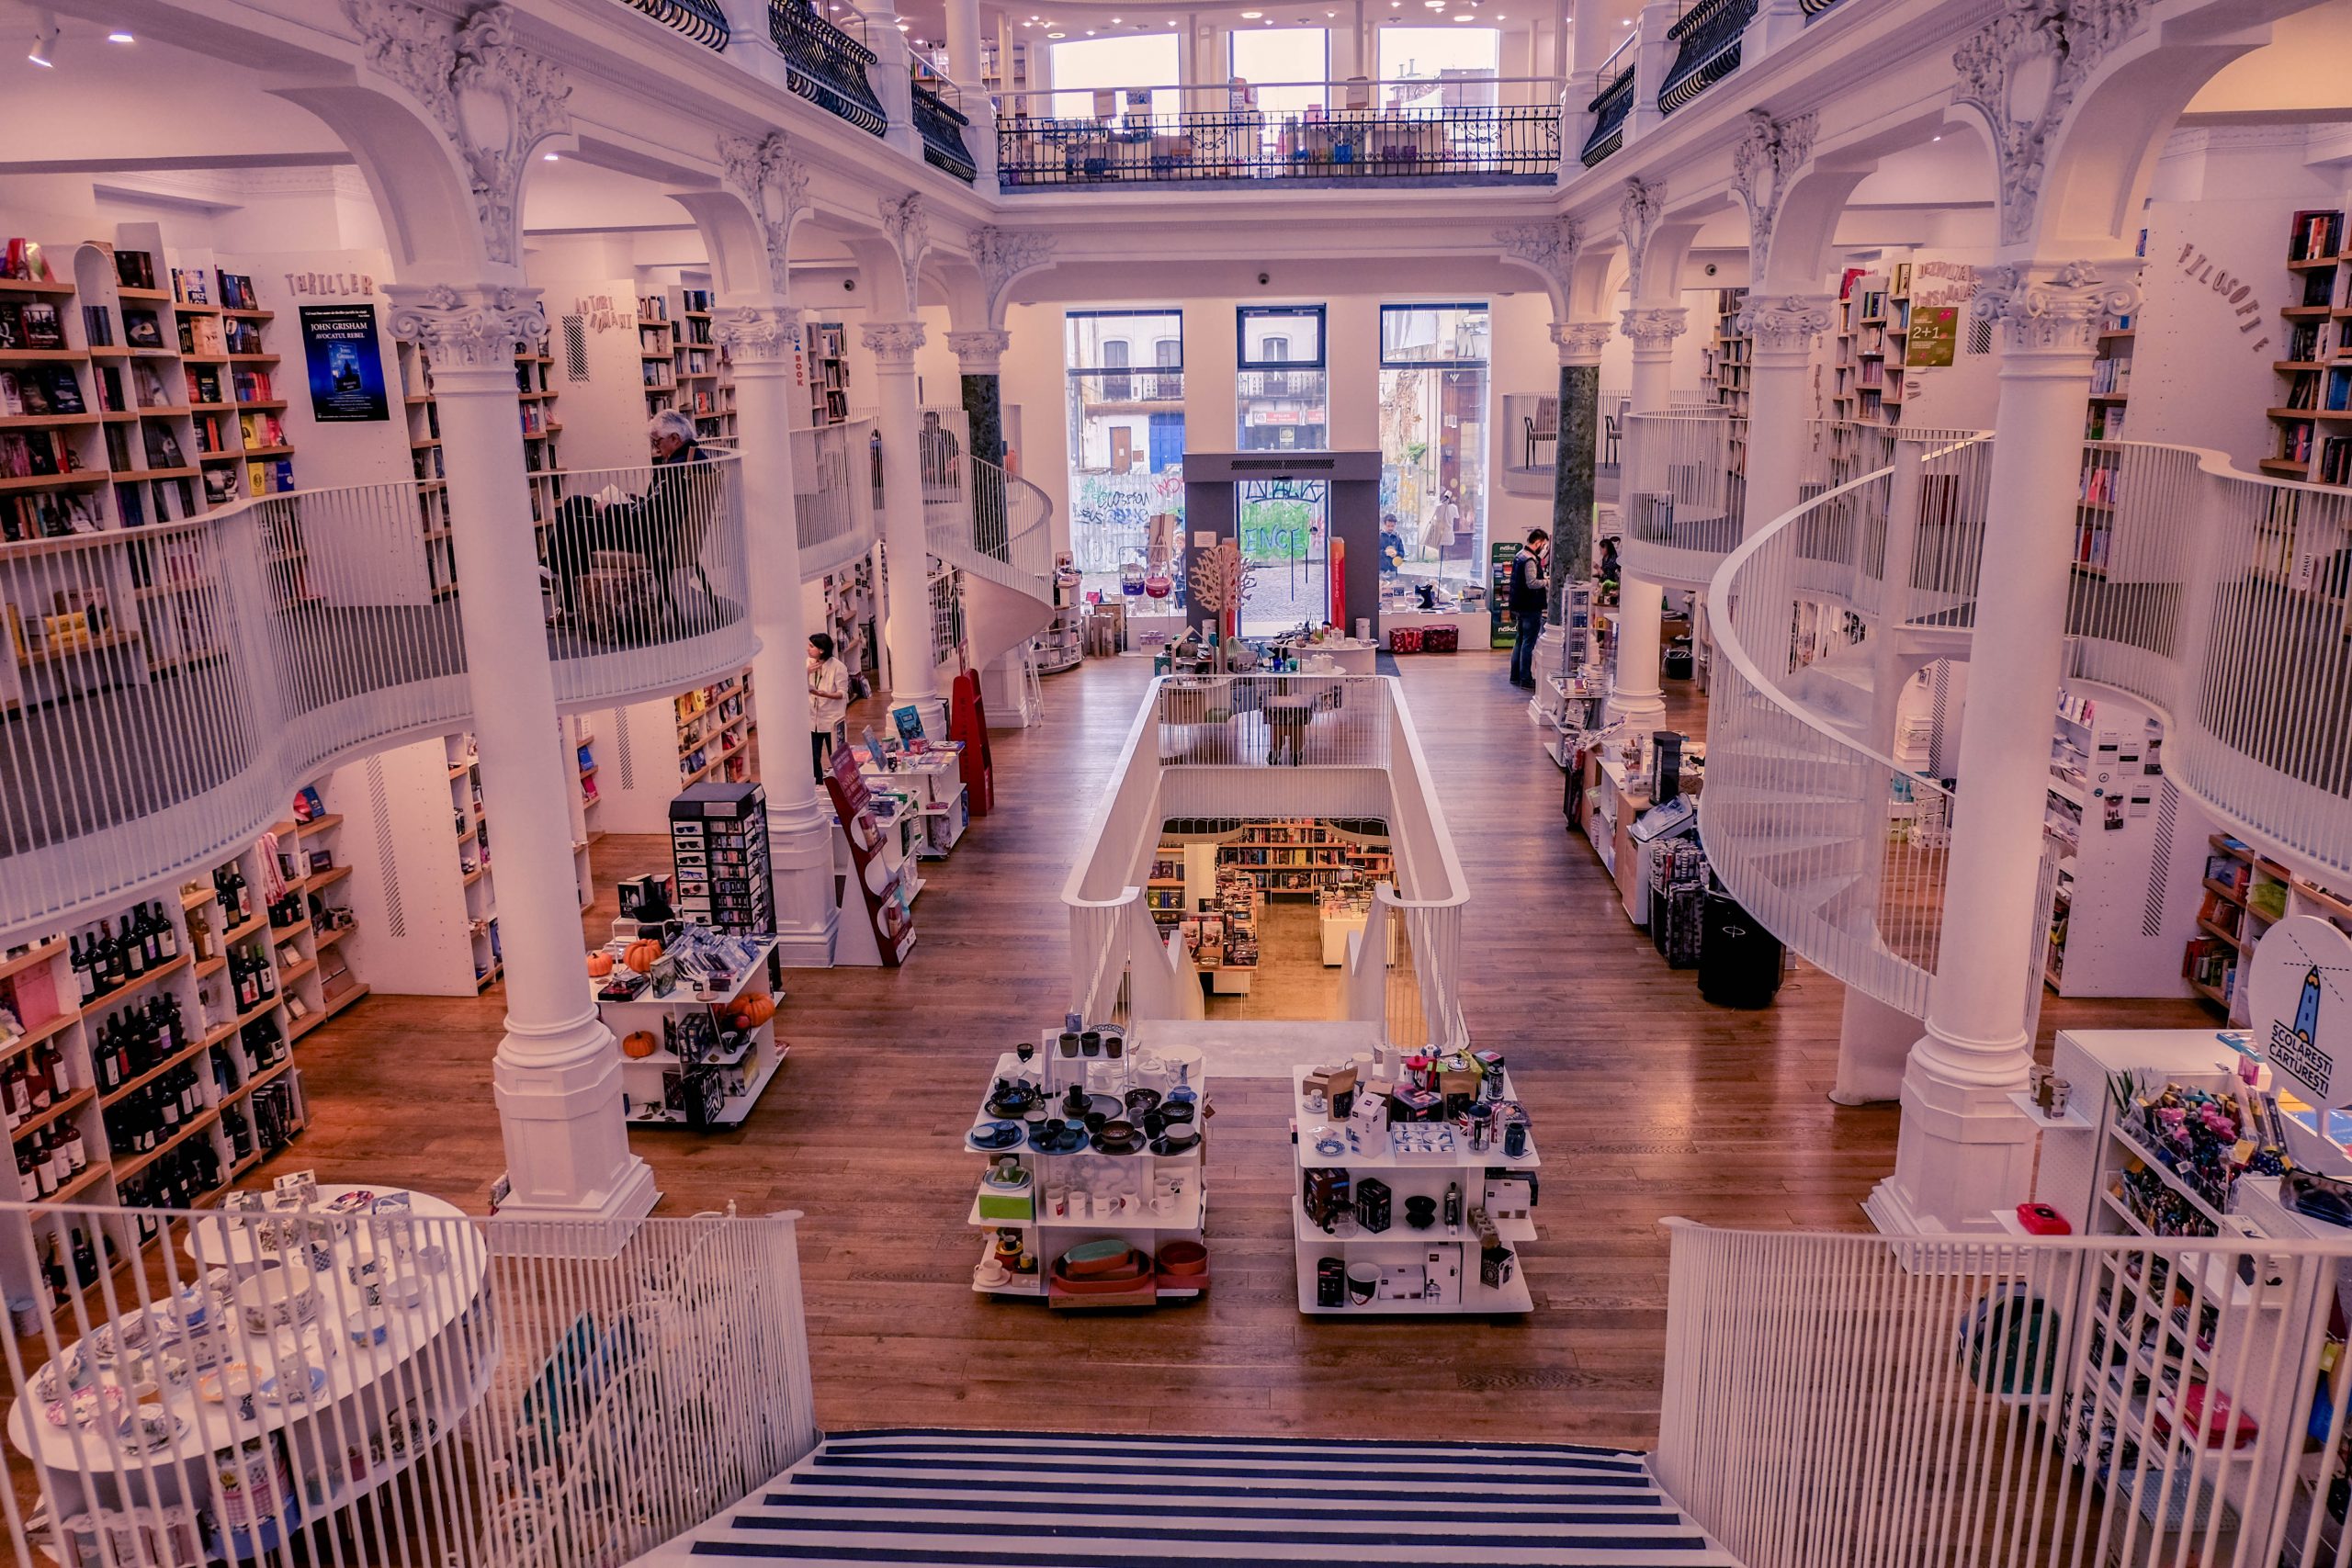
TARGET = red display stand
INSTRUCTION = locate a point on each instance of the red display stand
(967, 721)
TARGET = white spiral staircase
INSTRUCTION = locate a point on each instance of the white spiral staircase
(2217, 597)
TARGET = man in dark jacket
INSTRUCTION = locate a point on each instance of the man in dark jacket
(1530, 584)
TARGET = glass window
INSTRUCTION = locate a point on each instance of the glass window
(1428, 54)
(1433, 439)
(1284, 532)
(1285, 66)
(1282, 395)
(1125, 68)
(1126, 452)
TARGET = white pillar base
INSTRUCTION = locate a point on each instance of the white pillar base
(1005, 691)
(1962, 1154)
(800, 852)
(1645, 710)
(567, 1146)
(1874, 1043)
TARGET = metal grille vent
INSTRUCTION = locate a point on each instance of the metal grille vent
(575, 347)
(386, 863)
(625, 754)
(2152, 912)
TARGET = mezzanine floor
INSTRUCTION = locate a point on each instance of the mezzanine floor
(1649, 1101)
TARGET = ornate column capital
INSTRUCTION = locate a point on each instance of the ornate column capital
(1639, 213)
(892, 343)
(452, 70)
(2049, 309)
(1004, 255)
(774, 185)
(2020, 72)
(1784, 323)
(1550, 248)
(1581, 343)
(1763, 166)
(757, 334)
(1654, 327)
(977, 352)
(468, 329)
(908, 228)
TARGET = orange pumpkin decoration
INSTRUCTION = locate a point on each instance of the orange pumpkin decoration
(637, 1044)
(754, 1010)
(642, 954)
(600, 965)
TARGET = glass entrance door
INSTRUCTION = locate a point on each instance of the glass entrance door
(1285, 554)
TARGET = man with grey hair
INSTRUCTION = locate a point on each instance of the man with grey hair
(664, 525)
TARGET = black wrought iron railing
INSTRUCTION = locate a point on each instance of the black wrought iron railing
(825, 65)
(702, 20)
(941, 124)
(1611, 107)
(1464, 144)
(1813, 8)
(1707, 49)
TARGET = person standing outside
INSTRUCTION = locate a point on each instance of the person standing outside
(1530, 584)
(827, 699)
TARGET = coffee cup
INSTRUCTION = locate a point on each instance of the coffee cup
(1364, 1283)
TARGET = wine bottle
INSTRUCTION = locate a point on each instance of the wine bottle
(85, 1260)
(166, 934)
(81, 962)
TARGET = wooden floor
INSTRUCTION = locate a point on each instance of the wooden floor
(1649, 1101)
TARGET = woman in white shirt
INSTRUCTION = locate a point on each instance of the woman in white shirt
(828, 698)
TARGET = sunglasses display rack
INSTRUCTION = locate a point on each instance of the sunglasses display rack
(1411, 1215)
(1093, 1197)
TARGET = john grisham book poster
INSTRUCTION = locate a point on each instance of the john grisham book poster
(347, 370)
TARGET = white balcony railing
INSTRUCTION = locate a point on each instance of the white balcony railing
(833, 502)
(1870, 1399)
(171, 685)
(2216, 596)
(497, 1410)
(1684, 495)
(1258, 747)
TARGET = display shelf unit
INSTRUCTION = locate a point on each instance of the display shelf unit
(2245, 893)
(1301, 857)
(535, 402)
(848, 610)
(825, 348)
(1132, 1181)
(2130, 851)
(1443, 1262)
(1728, 375)
(936, 781)
(2311, 420)
(664, 1088)
(656, 351)
(240, 994)
(702, 382)
(1059, 647)
(654, 749)
(1868, 359)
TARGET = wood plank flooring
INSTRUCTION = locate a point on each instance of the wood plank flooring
(1649, 1102)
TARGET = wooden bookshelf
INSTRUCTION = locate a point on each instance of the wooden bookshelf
(1870, 350)
(535, 399)
(826, 347)
(704, 375)
(1730, 369)
(2311, 438)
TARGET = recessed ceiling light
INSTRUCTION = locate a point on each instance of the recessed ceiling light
(1465, 19)
(1251, 15)
(120, 35)
(1057, 35)
(552, 157)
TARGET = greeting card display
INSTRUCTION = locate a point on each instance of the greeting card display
(888, 933)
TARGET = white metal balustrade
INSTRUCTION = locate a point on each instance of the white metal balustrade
(1852, 1401)
(479, 1394)
(1255, 747)
(833, 496)
(171, 685)
(1684, 495)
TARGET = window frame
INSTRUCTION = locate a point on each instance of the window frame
(1244, 314)
(1388, 364)
(1174, 313)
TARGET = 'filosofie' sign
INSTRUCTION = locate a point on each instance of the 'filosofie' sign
(2300, 1008)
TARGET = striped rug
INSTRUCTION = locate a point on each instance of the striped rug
(1077, 1500)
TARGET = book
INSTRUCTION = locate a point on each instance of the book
(98, 326)
(23, 260)
(142, 330)
(42, 328)
(187, 287)
(220, 486)
(12, 324)
(134, 269)
(150, 388)
(163, 447)
(12, 401)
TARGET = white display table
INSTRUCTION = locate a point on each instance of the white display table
(645, 1078)
(1337, 925)
(1349, 656)
(428, 1370)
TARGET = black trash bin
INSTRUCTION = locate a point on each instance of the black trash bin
(1739, 961)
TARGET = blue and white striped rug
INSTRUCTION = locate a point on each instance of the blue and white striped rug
(1077, 1500)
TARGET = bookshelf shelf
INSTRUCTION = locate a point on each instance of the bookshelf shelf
(2315, 379)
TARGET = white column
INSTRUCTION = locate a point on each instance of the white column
(1652, 58)
(1964, 1150)
(893, 86)
(1774, 24)
(1782, 329)
(964, 45)
(759, 339)
(906, 628)
(557, 1075)
(1635, 696)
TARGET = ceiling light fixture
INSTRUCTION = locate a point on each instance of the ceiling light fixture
(1056, 34)
(120, 35)
(44, 50)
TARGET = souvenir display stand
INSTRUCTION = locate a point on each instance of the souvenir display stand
(696, 1050)
(1094, 1196)
(935, 780)
(873, 867)
(1413, 1215)
(281, 1396)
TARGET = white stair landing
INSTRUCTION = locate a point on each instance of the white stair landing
(1077, 1500)
(1256, 1048)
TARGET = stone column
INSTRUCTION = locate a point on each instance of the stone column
(907, 629)
(1654, 55)
(1636, 696)
(557, 1075)
(1964, 1150)
(1579, 343)
(979, 356)
(1782, 328)
(760, 338)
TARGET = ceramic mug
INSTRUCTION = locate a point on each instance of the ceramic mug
(1364, 1283)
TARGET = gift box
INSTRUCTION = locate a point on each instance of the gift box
(1415, 1105)
(1371, 1204)
(1495, 1266)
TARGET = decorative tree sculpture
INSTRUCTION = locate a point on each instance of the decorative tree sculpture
(1218, 585)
